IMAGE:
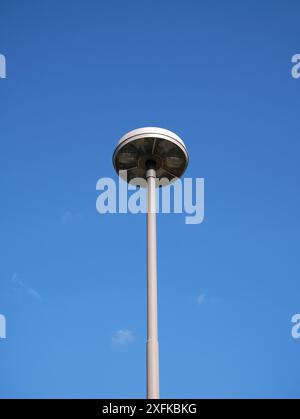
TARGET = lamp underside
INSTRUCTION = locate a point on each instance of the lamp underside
(157, 147)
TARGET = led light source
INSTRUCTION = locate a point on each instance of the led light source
(158, 145)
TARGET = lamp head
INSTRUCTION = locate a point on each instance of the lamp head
(151, 148)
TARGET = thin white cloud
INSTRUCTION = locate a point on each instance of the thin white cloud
(200, 299)
(34, 293)
(122, 337)
(19, 283)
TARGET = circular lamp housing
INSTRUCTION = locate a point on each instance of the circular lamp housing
(150, 147)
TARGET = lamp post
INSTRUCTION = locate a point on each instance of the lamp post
(151, 153)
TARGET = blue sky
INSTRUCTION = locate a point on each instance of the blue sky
(79, 75)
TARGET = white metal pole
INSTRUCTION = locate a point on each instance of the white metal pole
(152, 329)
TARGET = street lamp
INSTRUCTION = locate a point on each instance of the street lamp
(151, 153)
